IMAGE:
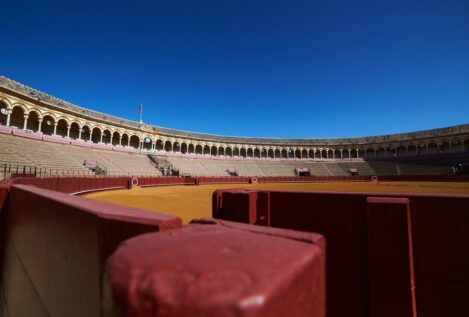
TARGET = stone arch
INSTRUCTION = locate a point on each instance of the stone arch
(199, 149)
(125, 141)
(445, 147)
(243, 152)
(20, 105)
(270, 153)
(221, 151)
(401, 150)
(380, 152)
(213, 150)
(147, 143)
(17, 117)
(159, 145)
(465, 145)
(62, 127)
(3, 116)
(412, 149)
(85, 132)
(168, 146)
(284, 153)
(33, 121)
(304, 153)
(250, 152)
(134, 141)
(74, 130)
(456, 146)
(277, 153)
(106, 136)
(191, 148)
(48, 123)
(257, 153)
(432, 148)
(236, 152)
(96, 135)
(370, 153)
(206, 150)
(184, 148)
(229, 152)
(176, 146)
(116, 137)
(297, 153)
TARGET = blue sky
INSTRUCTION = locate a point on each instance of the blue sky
(328, 68)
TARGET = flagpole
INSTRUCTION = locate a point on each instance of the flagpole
(141, 111)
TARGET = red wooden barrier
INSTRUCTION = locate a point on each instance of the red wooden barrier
(439, 240)
(55, 249)
(218, 268)
(390, 258)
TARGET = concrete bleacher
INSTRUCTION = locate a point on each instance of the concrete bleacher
(59, 158)
(68, 159)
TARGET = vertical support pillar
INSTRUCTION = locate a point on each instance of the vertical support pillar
(25, 122)
(390, 258)
(79, 132)
(39, 128)
(55, 127)
(101, 139)
(68, 131)
(9, 117)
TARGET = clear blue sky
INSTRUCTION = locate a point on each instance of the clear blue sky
(310, 68)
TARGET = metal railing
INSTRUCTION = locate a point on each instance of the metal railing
(8, 169)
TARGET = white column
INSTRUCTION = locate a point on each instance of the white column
(8, 117)
(101, 139)
(128, 141)
(25, 124)
(79, 133)
(68, 131)
(40, 125)
(120, 140)
(55, 127)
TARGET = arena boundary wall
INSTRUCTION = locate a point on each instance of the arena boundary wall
(63, 255)
(388, 254)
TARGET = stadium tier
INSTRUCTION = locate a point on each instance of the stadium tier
(56, 137)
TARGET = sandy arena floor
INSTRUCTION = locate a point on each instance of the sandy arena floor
(189, 202)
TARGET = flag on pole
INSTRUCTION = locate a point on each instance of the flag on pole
(139, 111)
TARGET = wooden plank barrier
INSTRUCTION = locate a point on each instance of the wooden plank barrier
(356, 242)
(55, 246)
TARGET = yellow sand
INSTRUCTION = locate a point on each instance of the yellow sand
(189, 202)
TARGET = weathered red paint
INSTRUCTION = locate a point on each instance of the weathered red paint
(56, 246)
(439, 241)
(390, 258)
(215, 268)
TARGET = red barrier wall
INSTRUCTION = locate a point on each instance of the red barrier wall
(439, 239)
(230, 272)
(55, 248)
(424, 178)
